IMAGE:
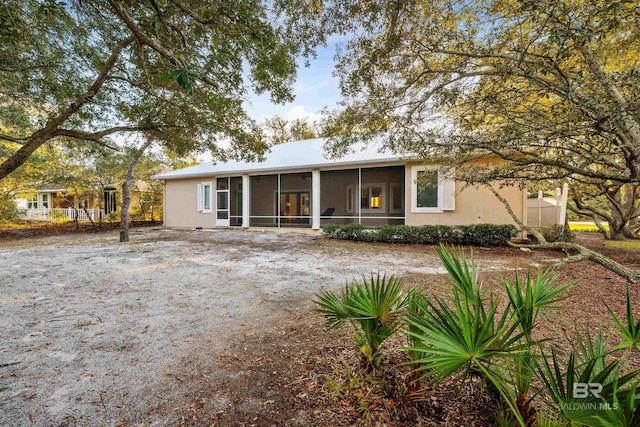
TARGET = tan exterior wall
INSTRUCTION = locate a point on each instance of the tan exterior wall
(181, 204)
(473, 205)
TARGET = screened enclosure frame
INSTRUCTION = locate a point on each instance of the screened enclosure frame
(388, 187)
(285, 213)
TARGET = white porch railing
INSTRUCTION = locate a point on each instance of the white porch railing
(64, 214)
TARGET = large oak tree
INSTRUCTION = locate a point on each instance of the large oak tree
(551, 86)
(174, 71)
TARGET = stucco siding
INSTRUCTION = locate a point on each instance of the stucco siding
(181, 204)
(473, 205)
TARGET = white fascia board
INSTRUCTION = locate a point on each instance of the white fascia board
(53, 190)
(288, 169)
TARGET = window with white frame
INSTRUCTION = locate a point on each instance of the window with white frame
(204, 190)
(32, 203)
(426, 189)
(45, 201)
(430, 191)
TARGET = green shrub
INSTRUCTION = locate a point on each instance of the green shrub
(558, 233)
(9, 210)
(487, 234)
(329, 229)
(474, 235)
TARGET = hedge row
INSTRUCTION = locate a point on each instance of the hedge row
(473, 235)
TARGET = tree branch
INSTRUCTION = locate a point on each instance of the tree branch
(195, 16)
(148, 41)
(47, 132)
(97, 136)
(13, 138)
(582, 253)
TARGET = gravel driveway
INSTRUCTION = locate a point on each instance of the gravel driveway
(89, 325)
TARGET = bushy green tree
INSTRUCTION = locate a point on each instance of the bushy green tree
(281, 130)
(550, 86)
(173, 71)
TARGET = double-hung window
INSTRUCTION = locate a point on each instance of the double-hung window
(32, 203)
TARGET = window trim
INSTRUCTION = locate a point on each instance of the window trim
(42, 201)
(33, 202)
(383, 196)
(414, 190)
(203, 187)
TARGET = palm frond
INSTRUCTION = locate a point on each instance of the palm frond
(463, 273)
(373, 305)
(629, 331)
(530, 296)
(560, 379)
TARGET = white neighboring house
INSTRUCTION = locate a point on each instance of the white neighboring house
(50, 202)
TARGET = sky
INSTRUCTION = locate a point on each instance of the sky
(315, 88)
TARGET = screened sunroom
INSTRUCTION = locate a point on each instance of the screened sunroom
(368, 196)
(280, 200)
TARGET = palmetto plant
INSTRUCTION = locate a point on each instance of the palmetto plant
(463, 274)
(417, 307)
(590, 347)
(629, 331)
(529, 296)
(625, 409)
(373, 306)
(614, 392)
(467, 336)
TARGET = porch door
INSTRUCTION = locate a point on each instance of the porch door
(293, 206)
(222, 202)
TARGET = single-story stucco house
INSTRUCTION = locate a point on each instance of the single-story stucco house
(298, 185)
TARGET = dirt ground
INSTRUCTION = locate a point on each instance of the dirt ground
(207, 327)
(24, 229)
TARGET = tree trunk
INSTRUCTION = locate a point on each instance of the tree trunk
(126, 200)
(582, 253)
(76, 216)
(86, 212)
(126, 193)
